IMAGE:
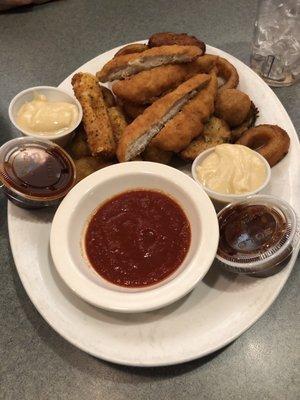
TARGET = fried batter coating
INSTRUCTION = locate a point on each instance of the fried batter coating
(169, 38)
(216, 128)
(216, 131)
(118, 122)
(228, 72)
(139, 133)
(131, 48)
(177, 134)
(233, 106)
(152, 153)
(87, 165)
(248, 123)
(126, 65)
(132, 110)
(95, 117)
(108, 96)
(78, 147)
(197, 146)
(146, 86)
(271, 141)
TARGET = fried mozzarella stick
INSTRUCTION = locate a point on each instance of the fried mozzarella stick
(146, 86)
(139, 133)
(96, 121)
(126, 65)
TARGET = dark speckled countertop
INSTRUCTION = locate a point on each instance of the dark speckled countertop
(42, 45)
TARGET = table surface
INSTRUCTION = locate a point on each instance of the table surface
(41, 46)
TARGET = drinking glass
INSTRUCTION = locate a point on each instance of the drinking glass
(275, 52)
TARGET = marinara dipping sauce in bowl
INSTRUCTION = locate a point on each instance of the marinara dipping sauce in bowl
(35, 173)
(138, 238)
(134, 236)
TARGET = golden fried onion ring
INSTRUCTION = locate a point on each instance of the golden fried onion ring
(270, 141)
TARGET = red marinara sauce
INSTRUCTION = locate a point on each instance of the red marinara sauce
(137, 238)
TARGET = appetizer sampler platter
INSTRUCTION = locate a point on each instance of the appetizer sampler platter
(216, 312)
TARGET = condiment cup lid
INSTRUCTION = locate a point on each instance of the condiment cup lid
(30, 165)
(257, 233)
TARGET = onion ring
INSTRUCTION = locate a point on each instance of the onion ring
(270, 141)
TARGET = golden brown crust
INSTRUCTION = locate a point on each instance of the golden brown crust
(146, 86)
(188, 124)
(216, 128)
(169, 38)
(163, 55)
(228, 72)
(154, 113)
(118, 122)
(271, 141)
(108, 96)
(233, 106)
(131, 48)
(154, 154)
(95, 117)
(197, 146)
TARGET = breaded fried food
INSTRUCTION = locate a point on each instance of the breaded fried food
(118, 122)
(78, 147)
(233, 106)
(250, 120)
(205, 63)
(132, 110)
(108, 96)
(146, 86)
(152, 153)
(87, 165)
(126, 65)
(216, 128)
(197, 146)
(271, 141)
(228, 73)
(169, 38)
(177, 133)
(131, 48)
(95, 117)
(142, 130)
(216, 131)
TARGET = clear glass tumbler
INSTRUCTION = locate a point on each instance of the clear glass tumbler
(275, 52)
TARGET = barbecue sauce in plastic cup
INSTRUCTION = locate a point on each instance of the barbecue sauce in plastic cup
(257, 235)
(35, 173)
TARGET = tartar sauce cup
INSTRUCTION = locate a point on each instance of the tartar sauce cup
(257, 235)
(220, 200)
(35, 173)
(52, 94)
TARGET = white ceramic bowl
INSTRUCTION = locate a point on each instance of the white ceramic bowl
(70, 220)
(220, 200)
(52, 94)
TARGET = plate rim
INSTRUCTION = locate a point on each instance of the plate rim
(179, 359)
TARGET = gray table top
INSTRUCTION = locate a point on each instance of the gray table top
(42, 45)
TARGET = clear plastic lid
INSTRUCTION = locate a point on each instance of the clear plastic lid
(36, 169)
(257, 233)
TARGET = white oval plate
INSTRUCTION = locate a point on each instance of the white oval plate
(217, 311)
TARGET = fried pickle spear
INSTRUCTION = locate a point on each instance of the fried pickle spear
(95, 117)
(126, 65)
(139, 133)
(169, 38)
(177, 134)
(146, 86)
(131, 48)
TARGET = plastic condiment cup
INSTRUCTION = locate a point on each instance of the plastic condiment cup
(52, 94)
(35, 173)
(220, 200)
(254, 243)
